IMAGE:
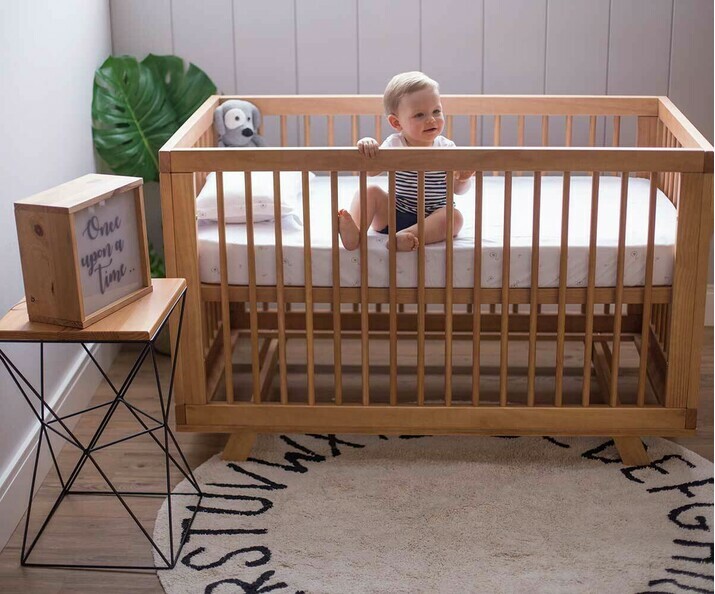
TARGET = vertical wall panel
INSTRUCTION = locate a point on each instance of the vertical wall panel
(514, 48)
(691, 73)
(514, 42)
(205, 37)
(576, 58)
(452, 50)
(577, 47)
(385, 49)
(265, 56)
(640, 47)
(691, 70)
(140, 28)
(639, 53)
(327, 57)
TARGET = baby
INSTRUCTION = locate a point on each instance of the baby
(413, 108)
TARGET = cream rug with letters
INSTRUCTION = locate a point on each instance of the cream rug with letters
(354, 514)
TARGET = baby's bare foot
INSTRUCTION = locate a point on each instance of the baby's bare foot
(348, 230)
(406, 242)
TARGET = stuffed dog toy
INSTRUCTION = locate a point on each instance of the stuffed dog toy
(237, 124)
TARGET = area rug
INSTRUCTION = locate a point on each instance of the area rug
(353, 514)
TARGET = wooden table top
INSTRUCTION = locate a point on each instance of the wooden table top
(135, 322)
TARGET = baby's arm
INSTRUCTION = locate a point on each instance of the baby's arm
(369, 148)
(462, 181)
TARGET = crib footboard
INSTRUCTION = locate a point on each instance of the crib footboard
(620, 361)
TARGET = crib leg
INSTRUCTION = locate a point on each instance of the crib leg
(238, 446)
(632, 451)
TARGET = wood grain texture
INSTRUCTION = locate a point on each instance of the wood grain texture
(134, 322)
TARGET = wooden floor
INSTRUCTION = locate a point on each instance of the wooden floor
(140, 466)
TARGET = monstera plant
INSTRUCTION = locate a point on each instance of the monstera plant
(137, 107)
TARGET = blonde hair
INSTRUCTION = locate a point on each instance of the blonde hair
(404, 84)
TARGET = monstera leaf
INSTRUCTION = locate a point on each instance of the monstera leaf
(137, 107)
(185, 90)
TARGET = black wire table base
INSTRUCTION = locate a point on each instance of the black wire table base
(157, 429)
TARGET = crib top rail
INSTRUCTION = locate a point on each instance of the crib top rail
(457, 104)
(452, 159)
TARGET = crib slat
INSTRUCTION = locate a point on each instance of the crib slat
(337, 344)
(588, 346)
(545, 130)
(354, 129)
(308, 268)
(284, 130)
(616, 130)
(306, 130)
(225, 315)
(569, 130)
(280, 298)
(520, 141)
(497, 130)
(563, 271)
(363, 291)
(378, 129)
(618, 307)
(255, 364)
(205, 328)
(421, 288)
(473, 130)
(448, 281)
(648, 293)
(506, 254)
(592, 131)
(392, 243)
(672, 175)
(331, 130)
(497, 135)
(476, 312)
(534, 289)
(450, 126)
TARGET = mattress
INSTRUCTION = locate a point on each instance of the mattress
(492, 243)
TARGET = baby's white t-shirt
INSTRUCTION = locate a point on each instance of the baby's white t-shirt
(406, 181)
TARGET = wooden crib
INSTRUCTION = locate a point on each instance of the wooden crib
(615, 361)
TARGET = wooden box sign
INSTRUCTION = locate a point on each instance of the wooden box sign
(83, 249)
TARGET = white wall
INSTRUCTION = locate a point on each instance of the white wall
(49, 51)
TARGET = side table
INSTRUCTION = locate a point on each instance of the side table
(140, 323)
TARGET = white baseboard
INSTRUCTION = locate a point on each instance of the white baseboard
(709, 306)
(75, 393)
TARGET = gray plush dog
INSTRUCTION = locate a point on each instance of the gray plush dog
(237, 124)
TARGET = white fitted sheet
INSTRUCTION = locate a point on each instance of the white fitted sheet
(492, 233)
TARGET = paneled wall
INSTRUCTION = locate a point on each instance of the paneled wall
(642, 47)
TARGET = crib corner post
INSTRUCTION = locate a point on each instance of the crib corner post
(689, 281)
(183, 255)
(700, 298)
